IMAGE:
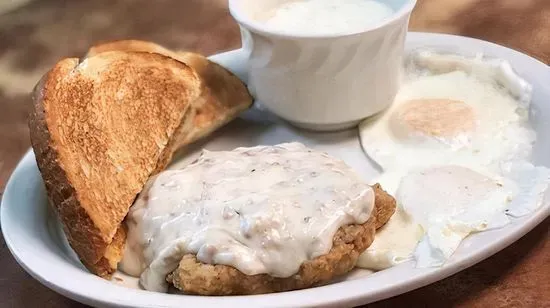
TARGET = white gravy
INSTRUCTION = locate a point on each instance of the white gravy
(326, 16)
(264, 209)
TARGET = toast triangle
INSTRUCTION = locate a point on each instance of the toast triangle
(99, 129)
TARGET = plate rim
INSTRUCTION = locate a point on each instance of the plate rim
(346, 293)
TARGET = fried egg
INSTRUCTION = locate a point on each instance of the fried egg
(440, 206)
(461, 116)
(450, 202)
(454, 149)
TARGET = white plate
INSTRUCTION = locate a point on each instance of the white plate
(35, 239)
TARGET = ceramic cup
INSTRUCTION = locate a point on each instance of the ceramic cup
(323, 82)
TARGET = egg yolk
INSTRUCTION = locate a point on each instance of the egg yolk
(437, 117)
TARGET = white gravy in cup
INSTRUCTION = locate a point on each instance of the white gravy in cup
(323, 64)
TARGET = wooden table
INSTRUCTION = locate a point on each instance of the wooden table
(34, 37)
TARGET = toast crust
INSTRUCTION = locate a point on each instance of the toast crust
(131, 45)
(98, 130)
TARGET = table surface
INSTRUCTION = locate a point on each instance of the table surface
(34, 37)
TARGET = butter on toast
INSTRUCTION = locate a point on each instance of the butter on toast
(223, 97)
(99, 129)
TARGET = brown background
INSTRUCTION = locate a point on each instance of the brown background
(34, 37)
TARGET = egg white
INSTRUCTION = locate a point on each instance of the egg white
(394, 243)
(500, 129)
(439, 206)
(450, 202)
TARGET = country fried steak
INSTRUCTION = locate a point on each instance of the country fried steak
(349, 242)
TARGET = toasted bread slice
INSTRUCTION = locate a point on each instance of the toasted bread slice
(99, 129)
(223, 97)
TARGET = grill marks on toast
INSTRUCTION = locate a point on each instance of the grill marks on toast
(98, 131)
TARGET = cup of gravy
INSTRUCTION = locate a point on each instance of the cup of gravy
(323, 64)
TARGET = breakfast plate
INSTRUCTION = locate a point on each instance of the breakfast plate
(35, 238)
